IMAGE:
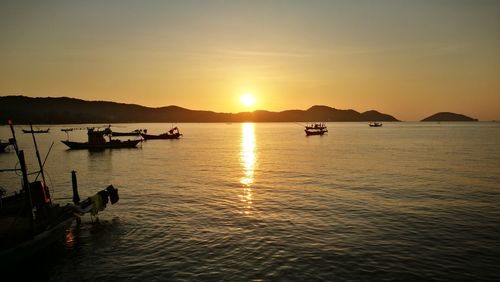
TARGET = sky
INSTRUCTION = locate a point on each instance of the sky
(406, 58)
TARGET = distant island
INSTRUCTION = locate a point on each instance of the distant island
(447, 116)
(64, 110)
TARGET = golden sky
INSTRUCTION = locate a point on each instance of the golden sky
(409, 59)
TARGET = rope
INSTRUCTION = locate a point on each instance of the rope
(300, 124)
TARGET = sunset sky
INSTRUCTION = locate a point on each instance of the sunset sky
(409, 59)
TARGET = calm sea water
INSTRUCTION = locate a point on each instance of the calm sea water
(231, 202)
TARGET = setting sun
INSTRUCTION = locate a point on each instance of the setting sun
(247, 100)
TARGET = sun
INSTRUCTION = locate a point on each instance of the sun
(247, 99)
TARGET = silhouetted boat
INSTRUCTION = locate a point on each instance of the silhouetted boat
(30, 221)
(375, 124)
(316, 129)
(36, 131)
(136, 132)
(171, 134)
(96, 141)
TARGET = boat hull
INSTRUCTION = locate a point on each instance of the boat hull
(318, 132)
(109, 145)
(29, 248)
(161, 136)
(125, 134)
(35, 131)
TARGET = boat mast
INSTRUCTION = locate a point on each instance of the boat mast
(39, 163)
(14, 140)
(26, 184)
(27, 191)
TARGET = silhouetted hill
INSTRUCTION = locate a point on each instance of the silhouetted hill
(62, 110)
(446, 116)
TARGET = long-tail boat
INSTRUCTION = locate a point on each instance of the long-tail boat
(36, 130)
(375, 124)
(316, 129)
(171, 134)
(96, 141)
(136, 132)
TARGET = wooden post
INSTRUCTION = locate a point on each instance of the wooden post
(76, 197)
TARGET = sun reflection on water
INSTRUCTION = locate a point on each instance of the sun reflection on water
(247, 159)
(69, 240)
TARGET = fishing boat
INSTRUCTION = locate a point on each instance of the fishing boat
(96, 141)
(375, 124)
(173, 133)
(136, 132)
(30, 221)
(316, 129)
(36, 131)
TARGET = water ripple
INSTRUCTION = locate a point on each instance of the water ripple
(404, 203)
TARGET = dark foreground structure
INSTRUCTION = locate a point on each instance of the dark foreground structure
(29, 219)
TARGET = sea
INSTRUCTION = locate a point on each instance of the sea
(264, 202)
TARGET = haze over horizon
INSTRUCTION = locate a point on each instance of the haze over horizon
(406, 58)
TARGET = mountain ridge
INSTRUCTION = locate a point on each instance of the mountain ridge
(66, 110)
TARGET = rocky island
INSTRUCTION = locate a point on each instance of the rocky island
(447, 116)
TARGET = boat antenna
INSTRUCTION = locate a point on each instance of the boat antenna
(38, 155)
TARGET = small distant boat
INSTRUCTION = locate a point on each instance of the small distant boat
(375, 124)
(36, 131)
(171, 134)
(96, 141)
(316, 129)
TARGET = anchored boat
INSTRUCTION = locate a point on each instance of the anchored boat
(173, 133)
(96, 141)
(36, 131)
(136, 132)
(316, 129)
